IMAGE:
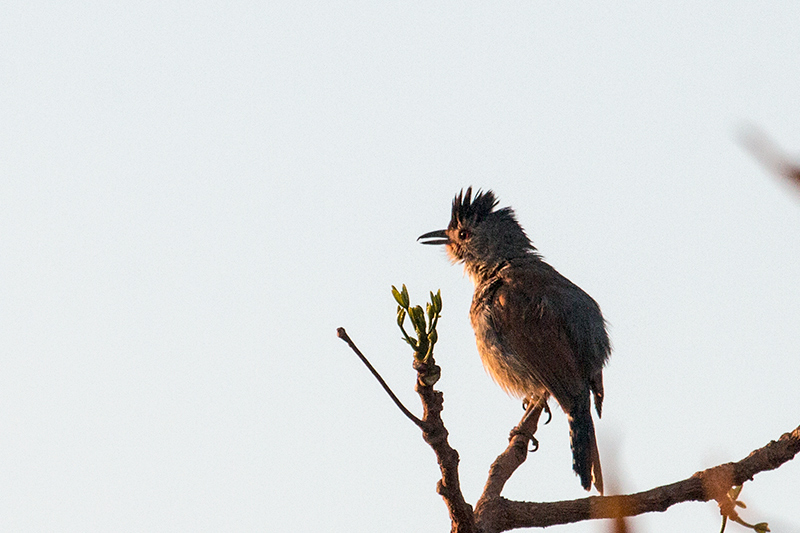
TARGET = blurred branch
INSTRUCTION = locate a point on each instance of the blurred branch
(767, 152)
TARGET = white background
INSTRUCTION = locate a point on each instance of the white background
(194, 195)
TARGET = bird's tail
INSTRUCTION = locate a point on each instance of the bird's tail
(585, 456)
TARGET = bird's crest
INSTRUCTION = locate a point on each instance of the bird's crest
(466, 208)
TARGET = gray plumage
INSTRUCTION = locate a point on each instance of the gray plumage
(538, 334)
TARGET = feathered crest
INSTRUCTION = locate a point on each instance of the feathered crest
(473, 209)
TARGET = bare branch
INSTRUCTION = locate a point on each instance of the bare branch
(515, 454)
(501, 514)
(342, 334)
(435, 434)
(494, 513)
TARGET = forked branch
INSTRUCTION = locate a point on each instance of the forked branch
(494, 513)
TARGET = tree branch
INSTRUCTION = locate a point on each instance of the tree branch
(494, 513)
(342, 334)
(515, 454)
(434, 432)
(500, 514)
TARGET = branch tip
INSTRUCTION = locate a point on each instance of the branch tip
(342, 334)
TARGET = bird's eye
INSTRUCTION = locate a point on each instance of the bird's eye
(463, 235)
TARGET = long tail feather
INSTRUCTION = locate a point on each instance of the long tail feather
(585, 455)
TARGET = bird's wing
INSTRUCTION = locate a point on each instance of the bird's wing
(530, 326)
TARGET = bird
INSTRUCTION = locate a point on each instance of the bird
(538, 334)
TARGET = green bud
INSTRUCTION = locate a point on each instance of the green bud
(761, 527)
(404, 295)
(436, 302)
(401, 316)
(397, 296)
(418, 317)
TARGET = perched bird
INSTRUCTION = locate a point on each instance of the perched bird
(538, 334)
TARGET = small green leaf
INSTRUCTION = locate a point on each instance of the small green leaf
(411, 342)
(433, 337)
(397, 296)
(401, 316)
(404, 295)
(761, 527)
(437, 301)
(417, 317)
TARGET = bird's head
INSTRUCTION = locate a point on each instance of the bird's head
(478, 235)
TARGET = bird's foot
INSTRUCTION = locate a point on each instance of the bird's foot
(528, 402)
(528, 435)
(549, 413)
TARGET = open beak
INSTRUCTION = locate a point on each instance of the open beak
(435, 237)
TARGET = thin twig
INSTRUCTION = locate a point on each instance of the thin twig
(342, 334)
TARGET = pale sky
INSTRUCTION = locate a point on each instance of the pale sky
(194, 196)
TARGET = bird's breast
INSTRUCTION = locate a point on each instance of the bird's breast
(501, 363)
